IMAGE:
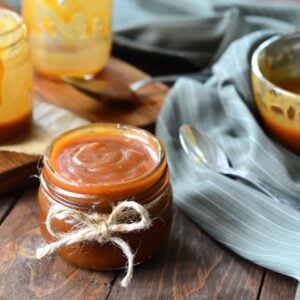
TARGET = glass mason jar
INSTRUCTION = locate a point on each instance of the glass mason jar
(95, 167)
(15, 77)
(69, 37)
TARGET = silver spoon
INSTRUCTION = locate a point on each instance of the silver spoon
(114, 89)
(207, 153)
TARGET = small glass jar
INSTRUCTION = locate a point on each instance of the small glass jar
(96, 167)
(15, 77)
(69, 37)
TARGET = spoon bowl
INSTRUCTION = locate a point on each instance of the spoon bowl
(202, 149)
(112, 90)
(206, 153)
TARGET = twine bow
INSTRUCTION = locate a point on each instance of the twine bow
(97, 227)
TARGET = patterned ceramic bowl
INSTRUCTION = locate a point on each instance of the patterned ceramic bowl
(276, 86)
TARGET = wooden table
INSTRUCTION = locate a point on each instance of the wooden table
(190, 266)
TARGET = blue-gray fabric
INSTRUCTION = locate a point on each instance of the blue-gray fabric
(243, 219)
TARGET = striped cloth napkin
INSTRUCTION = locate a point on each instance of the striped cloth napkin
(237, 215)
(245, 220)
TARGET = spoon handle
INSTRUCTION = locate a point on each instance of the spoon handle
(263, 187)
(200, 76)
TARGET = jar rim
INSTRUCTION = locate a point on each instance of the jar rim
(18, 30)
(138, 131)
(271, 43)
(17, 17)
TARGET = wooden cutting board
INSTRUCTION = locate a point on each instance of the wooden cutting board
(16, 169)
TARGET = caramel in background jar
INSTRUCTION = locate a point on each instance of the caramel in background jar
(69, 37)
(15, 77)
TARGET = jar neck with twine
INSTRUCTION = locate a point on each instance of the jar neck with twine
(125, 217)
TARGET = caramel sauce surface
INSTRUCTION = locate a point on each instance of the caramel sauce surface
(106, 159)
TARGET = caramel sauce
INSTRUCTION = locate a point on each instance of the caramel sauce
(110, 159)
(15, 77)
(290, 137)
(283, 125)
(96, 167)
(15, 128)
(291, 85)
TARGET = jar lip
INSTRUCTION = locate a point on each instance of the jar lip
(17, 17)
(160, 155)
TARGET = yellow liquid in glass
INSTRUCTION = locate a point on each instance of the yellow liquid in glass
(69, 37)
(15, 77)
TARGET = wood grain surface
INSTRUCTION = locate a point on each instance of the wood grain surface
(6, 204)
(24, 277)
(16, 170)
(278, 287)
(190, 266)
(142, 112)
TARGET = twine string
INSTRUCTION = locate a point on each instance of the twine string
(97, 227)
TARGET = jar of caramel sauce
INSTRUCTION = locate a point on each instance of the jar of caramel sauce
(15, 77)
(92, 169)
(69, 37)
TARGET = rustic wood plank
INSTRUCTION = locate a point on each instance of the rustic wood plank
(23, 277)
(16, 170)
(278, 287)
(8, 160)
(142, 112)
(6, 204)
(192, 266)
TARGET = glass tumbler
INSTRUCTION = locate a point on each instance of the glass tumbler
(15, 77)
(69, 37)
